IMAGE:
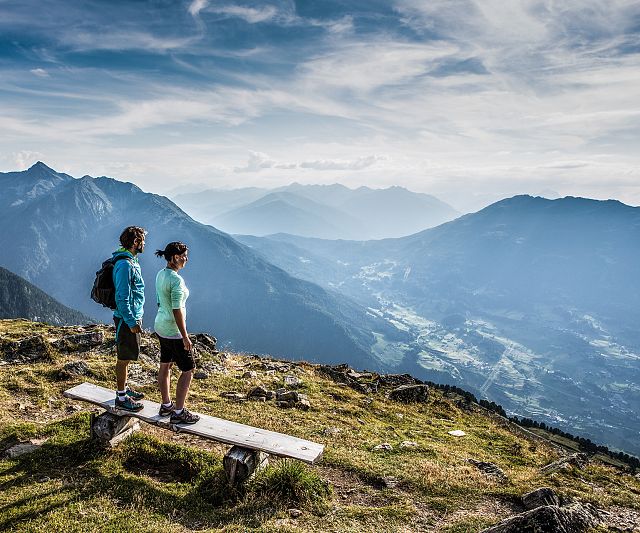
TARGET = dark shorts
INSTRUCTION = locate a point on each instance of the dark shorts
(127, 343)
(172, 351)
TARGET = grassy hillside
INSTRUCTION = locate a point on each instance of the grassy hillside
(158, 480)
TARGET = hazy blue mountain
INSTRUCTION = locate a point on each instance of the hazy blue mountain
(21, 299)
(59, 239)
(531, 303)
(324, 211)
(18, 187)
(206, 205)
(283, 211)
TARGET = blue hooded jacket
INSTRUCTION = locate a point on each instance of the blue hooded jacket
(127, 279)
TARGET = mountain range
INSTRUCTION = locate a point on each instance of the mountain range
(60, 229)
(324, 211)
(21, 299)
(531, 303)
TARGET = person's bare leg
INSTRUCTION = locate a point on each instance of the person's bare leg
(184, 381)
(121, 373)
(164, 382)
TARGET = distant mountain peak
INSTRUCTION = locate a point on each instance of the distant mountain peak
(40, 170)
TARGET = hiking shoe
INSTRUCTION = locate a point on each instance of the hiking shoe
(166, 411)
(186, 417)
(128, 404)
(134, 394)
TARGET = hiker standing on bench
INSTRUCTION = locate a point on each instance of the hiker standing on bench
(171, 327)
(129, 293)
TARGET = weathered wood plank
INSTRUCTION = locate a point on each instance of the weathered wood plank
(209, 427)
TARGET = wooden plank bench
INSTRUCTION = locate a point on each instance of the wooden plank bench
(250, 444)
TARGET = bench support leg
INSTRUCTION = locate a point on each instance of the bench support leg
(110, 429)
(241, 463)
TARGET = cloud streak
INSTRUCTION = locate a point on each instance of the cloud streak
(478, 93)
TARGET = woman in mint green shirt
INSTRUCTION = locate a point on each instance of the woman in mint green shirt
(171, 327)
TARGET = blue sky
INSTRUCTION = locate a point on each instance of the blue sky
(466, 99)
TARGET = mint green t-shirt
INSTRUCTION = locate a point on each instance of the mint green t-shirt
(171, 293)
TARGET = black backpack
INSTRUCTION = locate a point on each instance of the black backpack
(104, 291)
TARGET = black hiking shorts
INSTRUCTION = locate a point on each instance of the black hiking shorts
(172, 351)
(127, 342)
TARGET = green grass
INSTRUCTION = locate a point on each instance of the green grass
(157, 480)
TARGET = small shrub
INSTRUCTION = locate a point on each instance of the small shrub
(289, 483)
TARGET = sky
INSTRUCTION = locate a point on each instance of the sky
(469, 100)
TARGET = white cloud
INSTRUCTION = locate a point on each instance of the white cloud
(196, 6)
(40, 72)
(354, 164)
(25, 158)
(251, 15)
(124, 40)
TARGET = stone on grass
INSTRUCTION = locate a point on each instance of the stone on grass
(410, 394)
(292, 381)
(575, 518)
(75, 368)
(304, 404)
(579, 460)
(490, 469)
(81, 341)
(257, 392)
(295, 513)
(385, 446)
(20, 449)
(29, 350)
(234, 396)
(289, 396)
(250, 374)
(200, 375)
(540, 497)
(457, 433)
(408, 444)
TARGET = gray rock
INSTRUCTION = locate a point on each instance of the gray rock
(21, 449)
(289, 396)
(575, 518)
(295, 513)
(395, 380)
(81, 341)
(389, 482)
(284, 405)
(579, 460)
(257, 392)
(304, 404)
(490, 469)
(540, 497)
(329, 432)
(250, 374)
(385, 446)
(234, 396)
(204, 342)
(76, 368)
(408, 444)
(410, 394)
(292, 381)
(200, 375)
(28, 350)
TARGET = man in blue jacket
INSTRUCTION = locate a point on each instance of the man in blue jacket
(129, 285)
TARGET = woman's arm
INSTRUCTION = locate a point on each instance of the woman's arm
(178, 315)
